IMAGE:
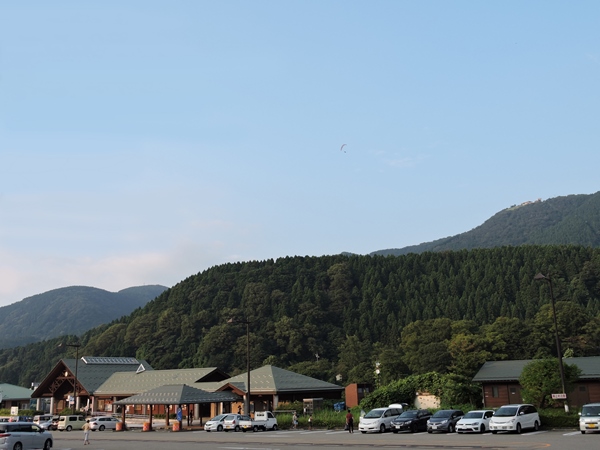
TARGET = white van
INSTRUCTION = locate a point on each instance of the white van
(380, 419)
(589, 418)
(42, 418)
(515, 418)
(24, 435)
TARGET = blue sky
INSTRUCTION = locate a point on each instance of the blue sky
(145, 141)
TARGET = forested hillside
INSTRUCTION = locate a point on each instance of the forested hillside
(69, 310)
(444, 311)
(572, 219)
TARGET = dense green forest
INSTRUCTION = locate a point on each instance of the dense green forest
(435, 311)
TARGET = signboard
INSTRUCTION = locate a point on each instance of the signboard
(71, 400)
(559, 396)
(14, 410)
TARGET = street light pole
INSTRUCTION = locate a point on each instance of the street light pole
(541, 277)
(247, 399)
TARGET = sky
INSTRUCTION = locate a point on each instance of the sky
(142, 142)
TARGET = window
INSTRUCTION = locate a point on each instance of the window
(495, 392)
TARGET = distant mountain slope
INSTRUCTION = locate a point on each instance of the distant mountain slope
(573, 219)
(70, 310)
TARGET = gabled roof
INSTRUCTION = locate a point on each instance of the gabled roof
(178, 394)
(511, 370)
(127, 383)
(91, 373)
(12, 392)
(272, 380)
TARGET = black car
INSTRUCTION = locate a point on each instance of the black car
(413, 420)
(444, 420)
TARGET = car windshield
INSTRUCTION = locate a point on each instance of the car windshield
(474, 415)
(506, 411)
(375, 413)
(590, 411)
(408, 415)
(217, 418)
(442, 414)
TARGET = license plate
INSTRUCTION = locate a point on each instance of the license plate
(591, 425)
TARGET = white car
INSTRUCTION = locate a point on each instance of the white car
(232, 422)
(24, 436)
(215, 424)
(515, 418)
(102, 423)
(379, 419)
(475, 421)
(589, 418)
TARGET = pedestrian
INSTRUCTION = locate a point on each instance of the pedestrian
(350, 422)
(295, 420)
(86, 432)
(310, 422)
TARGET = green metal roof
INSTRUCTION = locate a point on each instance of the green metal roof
(92, 372)
(511, 370)
(12, 392)
(271, 379)
(127, 383)
(178, 394)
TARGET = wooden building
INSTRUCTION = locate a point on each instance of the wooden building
(500, 381)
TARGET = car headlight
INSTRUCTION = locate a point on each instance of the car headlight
(443, 422)
(408, 422)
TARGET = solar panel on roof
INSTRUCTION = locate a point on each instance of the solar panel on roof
(109, 360)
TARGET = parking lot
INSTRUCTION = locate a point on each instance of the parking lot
(304, 439)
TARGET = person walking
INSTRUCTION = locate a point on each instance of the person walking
(86, 432)
(310, 422)
(350, 421)
(295, 420)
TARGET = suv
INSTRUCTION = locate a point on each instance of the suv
(515, 418)
(444, 420)
(24, 435)
(475, 421)
(70, 423)
(379, 419)
(412, 420)
(589, 417)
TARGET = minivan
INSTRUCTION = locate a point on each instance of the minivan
(70, 423)
(379, 419)
(24, 436)
(589, 418)
(515, 418)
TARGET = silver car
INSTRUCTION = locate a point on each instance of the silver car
(24, 436)
(216, 423)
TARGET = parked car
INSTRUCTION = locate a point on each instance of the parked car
(215, 424)
(232, 422)
(379, 419)
(515, 418)
(69, 423)
(475, 421)
(589, 418)
(50, 425)
(444, 420)
(102, 423)
(24, 436)
(412, 420)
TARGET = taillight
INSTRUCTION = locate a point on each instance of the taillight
(4, 435)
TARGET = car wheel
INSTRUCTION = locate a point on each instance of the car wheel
(220, 428)
(101, 428)
(414, 429)
(363, 432)
(47, 444)
(237, 428)
(395, 431)
(536, 426)
(255, 428)
(429, 431)
(275, 427)
(494, 432)
(450, 428)
(518, 428)
(482, 428)
(582, 432)
(69, 428)
(382, 428)
(18, 446)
